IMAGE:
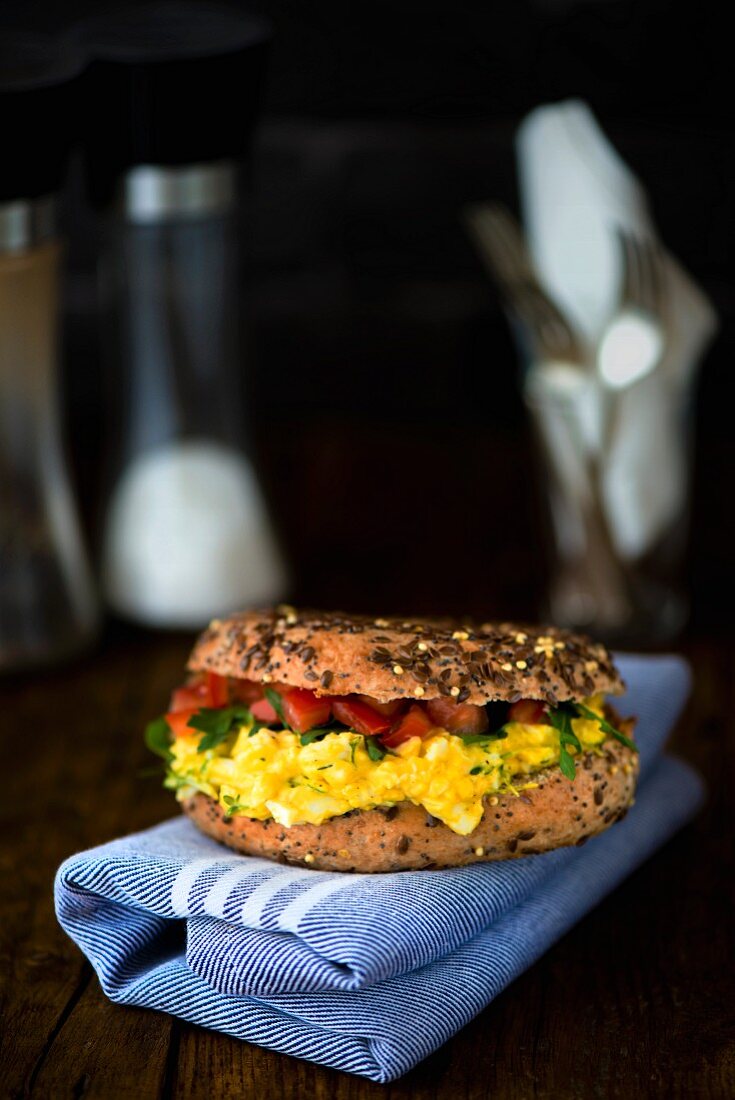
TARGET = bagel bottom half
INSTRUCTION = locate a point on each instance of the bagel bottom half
(403, 837)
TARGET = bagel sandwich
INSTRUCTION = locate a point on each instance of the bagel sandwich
(351, 743)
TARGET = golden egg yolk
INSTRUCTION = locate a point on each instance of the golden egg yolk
(270, 774)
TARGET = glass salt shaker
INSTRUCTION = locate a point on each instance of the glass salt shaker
(187, 534)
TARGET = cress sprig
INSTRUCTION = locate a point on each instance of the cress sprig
(605, 726)
(158, 738)
(217, 723)
(561, 719)
(481, 738)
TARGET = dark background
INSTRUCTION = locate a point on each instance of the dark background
(383, 390)
(381, 376)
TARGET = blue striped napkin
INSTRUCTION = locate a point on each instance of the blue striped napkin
(368, 974)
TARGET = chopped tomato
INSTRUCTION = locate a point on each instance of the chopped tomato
(219, 692)
(246, 691)
(263, 711)
(304, 710)
(389, 709)
(191, 696)
(457, 717)
(415, 723)
(178, 721)
(204, 690)
(529, 711)
(359, 716)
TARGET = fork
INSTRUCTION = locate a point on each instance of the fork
(502, 247)
(633, 343)
(558, 389)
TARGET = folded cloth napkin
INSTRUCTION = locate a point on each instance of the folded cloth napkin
(368, 974)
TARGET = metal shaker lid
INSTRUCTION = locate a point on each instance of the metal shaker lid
(38, 84)
(180, 84)
(26, 222)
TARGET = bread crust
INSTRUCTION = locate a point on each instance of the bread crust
(336, 654)
(555, 814)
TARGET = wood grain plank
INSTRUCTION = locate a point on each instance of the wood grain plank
(245, 1070)
(75, 785)
(103, 1051)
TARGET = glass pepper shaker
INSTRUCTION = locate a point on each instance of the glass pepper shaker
(48, 606)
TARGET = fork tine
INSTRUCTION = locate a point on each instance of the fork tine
(643, 272)
(655, 267)
(510, 239)
(631, 289)
(510, 232)
(527, 309)
(547, 314)
(501, 249)
(549, 319)
(648, 261)
(628, 288)
(646, 276)
(493, 243)
(638, 271)
(495, 226)
(659, 266)
(543, 318)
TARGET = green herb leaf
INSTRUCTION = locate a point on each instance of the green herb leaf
(314, 735)
(476, 770)
(324, 767)
(561, 719)
(174, 782)
(233, 806)
(374, 749)
(483, 738)
(277, 703)
(567, 765)
(217, 723)
(158, 738)
(605, 726)
(353, 748)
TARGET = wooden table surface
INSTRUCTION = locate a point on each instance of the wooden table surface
(636, 1001)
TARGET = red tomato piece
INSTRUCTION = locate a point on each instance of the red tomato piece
(304, 710)
(359, 716)
(264, 712)
(389, 709)
(529, 711)
(191, 696)
(457, 717)
(415, 723)
(178, 721)
(218, 688)
(203, 690)
(246, 691)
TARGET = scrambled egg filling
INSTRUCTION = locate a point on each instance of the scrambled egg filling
(272, 775)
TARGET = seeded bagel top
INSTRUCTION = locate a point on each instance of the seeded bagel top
(395, 658)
